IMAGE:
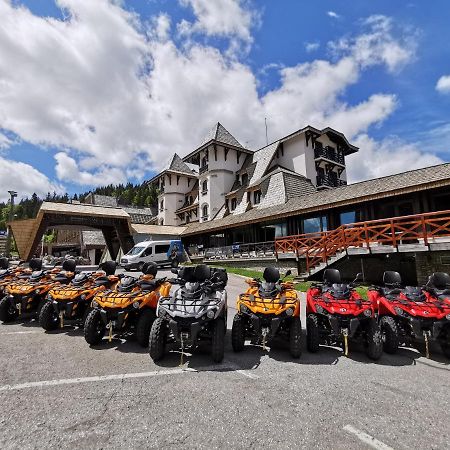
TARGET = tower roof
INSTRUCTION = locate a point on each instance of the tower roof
(177, 165)
(220, 134)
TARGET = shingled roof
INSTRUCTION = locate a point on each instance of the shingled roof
(219, 133)
(178, 165)
(402, 183)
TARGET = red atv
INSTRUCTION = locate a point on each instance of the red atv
(438, 287)
(335, 312)
(410, 313)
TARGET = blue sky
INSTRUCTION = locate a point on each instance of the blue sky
(99, 92)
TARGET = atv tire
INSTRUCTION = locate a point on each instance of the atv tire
(389, 333)
(48, 319)
(374, 340)
(312, 333)
(85, 316)
(158, 339)
(295, 337)
(238, 334)
(94, 328)
(143, 327)
(218, 340)
(8, 312)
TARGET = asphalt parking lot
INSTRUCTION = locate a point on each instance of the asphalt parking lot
(55, 391)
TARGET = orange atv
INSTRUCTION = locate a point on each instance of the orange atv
(28, 295)
(73, 302)
(129, 307)
(268, 308)
(8, 274)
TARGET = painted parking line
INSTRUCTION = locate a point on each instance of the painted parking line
(122, 376)
(21, 332)
(367, 438)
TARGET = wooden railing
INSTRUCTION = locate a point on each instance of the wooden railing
(317, 248)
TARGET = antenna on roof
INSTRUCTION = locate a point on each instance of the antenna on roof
(265, 122)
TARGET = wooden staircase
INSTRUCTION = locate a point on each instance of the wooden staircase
(405, 233)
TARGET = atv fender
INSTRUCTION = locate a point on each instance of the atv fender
(416, 327)
(437, 329)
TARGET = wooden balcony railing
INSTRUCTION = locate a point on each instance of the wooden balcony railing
(318, 248)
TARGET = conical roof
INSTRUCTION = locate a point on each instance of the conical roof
(178, 165)
(220, 134)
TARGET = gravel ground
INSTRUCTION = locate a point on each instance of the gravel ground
(253, 399)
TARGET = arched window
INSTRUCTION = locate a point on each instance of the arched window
(256, 197)
(205, 212)
(205, 187)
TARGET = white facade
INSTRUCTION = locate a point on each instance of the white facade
(305, 160)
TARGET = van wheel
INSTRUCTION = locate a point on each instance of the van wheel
(143, 327)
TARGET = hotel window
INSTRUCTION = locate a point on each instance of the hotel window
(233, 204)
(227, 204)
(257, 197)
(205, 187)
(161, 205)
(244, 179)
(204, 161)
(315, 224)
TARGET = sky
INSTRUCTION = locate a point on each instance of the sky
(99, 92)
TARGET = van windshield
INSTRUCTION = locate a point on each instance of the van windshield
(135, 251)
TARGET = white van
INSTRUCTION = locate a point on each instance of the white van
(155, 251)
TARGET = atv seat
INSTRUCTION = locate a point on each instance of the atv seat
(414, 294)
(37, 275)
(147, 285)
(127, 284)
(102, 281)
(4, 264)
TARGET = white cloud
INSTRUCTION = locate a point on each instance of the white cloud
(118, 97)
(312, 46)
(391, 155)
(230, 18)
(443, 84)
(24, 179)
(333, 14)
(67, 169)
(5, 141)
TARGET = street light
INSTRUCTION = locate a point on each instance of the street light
(13, 194)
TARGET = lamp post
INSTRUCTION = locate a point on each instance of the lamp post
(13, 194)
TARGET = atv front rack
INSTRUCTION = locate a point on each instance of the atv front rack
(180, 305)
(263, 302)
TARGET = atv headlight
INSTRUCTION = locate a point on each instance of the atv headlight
(319, 309)
(290, 311)
(447, 316)
(399, 311)
(136, 305)
(37, 291)
(367, 312)
(82, 297)
(210, 314)
(243, 309)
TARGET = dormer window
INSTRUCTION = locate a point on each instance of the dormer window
(256, 197)
(233, 203)
(244, 179)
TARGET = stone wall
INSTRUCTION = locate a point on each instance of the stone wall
(429, 262)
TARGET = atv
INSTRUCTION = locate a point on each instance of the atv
(129, 307)
(27, 294)
(73, 302)
(410, 313)
(268, 309)
(335, 313)
(438, 287)
(196, 311)
(8, 274)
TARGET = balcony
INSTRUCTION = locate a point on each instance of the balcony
(203, 169)
(330, 181)
(330, 154)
